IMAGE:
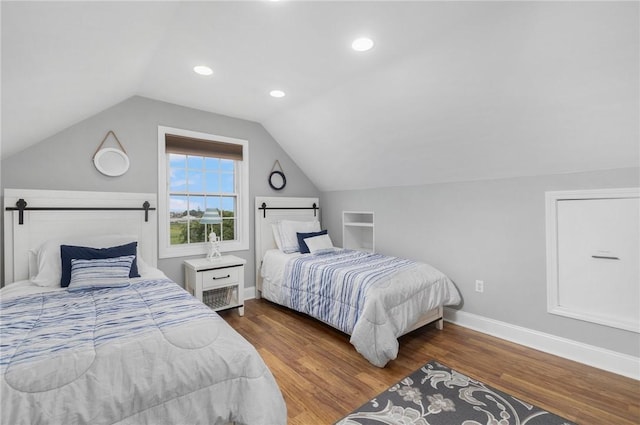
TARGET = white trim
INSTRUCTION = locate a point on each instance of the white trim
(243, 228)
(551, 218)
(612, 361)
(250, 293)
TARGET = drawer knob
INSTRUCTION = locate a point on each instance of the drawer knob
(221, 277)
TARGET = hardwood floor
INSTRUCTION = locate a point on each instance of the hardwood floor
(323, 378)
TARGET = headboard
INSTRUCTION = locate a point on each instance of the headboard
(268, 211)
(31, 217)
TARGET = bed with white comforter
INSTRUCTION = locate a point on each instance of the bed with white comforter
(145, 353)
(372, 297)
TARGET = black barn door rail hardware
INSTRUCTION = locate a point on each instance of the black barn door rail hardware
(21, 207)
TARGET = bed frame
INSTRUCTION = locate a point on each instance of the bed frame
(271, 209)
(32, 217)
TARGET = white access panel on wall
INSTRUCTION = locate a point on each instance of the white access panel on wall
(593, 256)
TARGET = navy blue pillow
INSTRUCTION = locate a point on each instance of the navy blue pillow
(304, 249)
(67, 252)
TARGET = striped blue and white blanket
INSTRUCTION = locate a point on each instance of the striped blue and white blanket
(144, 353)
(372, 297)
(333, 286)
(37, 327)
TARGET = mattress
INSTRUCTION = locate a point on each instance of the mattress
(145, 353)
(371, 297)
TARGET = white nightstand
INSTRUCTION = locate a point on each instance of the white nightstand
(219, 284)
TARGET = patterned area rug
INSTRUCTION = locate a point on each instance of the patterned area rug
(437, 395)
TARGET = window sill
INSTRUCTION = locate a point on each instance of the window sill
(199, 249)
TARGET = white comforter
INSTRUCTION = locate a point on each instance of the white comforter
(148, 353)
(376, 311)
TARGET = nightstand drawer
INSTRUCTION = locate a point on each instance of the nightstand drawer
(219, 277)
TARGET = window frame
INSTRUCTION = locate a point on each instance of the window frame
(165, 249)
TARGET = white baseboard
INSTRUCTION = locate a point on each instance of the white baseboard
(250, 293)
(612, 361)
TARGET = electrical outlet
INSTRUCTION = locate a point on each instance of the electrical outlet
(479, 286)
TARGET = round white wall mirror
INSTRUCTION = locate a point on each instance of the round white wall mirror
(111, 162)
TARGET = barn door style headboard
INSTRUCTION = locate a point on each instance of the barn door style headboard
(32, 217)
(270, 210)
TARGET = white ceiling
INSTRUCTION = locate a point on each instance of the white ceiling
(451, 91)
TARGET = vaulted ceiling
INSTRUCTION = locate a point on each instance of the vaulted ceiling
(450, 91)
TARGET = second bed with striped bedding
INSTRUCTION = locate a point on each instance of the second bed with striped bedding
(373, 297)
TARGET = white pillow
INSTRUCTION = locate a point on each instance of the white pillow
(289, 233)
(100, 273)
(143, 268)
(275, 227)
(49, 262)
(320, 243)
(33, 264)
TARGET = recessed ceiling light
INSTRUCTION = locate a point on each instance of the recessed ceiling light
(362, 44)
(202, 70)
(277, 93)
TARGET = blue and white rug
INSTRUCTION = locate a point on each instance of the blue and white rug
(437, 395)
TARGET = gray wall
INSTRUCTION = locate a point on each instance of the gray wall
(488, 230)
(64, 161)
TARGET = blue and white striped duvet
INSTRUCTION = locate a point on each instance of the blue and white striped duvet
(332, 287)
(37, 327)
(145, 353)
(372, 297)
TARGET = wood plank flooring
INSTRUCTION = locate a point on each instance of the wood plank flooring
(323, 378)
